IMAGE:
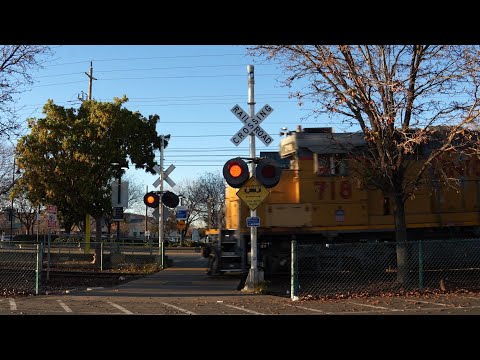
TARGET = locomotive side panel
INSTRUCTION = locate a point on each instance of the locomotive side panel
(320, 193)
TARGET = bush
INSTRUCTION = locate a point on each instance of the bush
(67, 240)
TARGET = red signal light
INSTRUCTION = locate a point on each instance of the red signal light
(151, 199)
(268, 172)
(235, 172)
(235, 169)
(169, 199)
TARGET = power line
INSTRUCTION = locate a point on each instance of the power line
(156, 77)
(206, 103)
(144, 69)
(184, 77)
(176, 98)
(170, 68)
(146, 58)
(65, 83)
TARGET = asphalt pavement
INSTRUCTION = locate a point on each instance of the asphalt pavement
(186, 278)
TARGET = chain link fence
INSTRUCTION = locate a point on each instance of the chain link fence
(93, 256)
(19, 268)
(376, 268)
(24, 266)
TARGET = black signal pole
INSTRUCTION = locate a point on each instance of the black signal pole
(118, 201)
(119, 194)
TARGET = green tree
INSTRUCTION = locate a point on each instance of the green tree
(403, 97)
(67, 157)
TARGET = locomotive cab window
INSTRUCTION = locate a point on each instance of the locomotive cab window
(330, 164)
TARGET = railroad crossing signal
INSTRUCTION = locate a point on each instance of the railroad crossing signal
(268, 172)
(170, 199)
(252, 124)
(235, 172)
(165, 175)
(151, 199)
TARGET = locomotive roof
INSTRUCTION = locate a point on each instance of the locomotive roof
(321, 142)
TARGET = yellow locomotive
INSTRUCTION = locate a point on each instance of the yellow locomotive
(318, 198)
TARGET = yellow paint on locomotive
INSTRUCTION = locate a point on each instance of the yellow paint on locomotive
(306, 202)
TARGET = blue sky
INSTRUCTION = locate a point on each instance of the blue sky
(191, 87)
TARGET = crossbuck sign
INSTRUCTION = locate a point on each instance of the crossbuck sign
(165, 174)
(252, 125)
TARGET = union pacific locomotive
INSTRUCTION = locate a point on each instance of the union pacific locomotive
(319, 199)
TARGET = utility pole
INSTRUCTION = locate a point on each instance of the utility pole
(87, 216)
(90, 82)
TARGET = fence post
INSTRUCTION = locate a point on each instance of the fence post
(48, 254)
(38, 268)
(101, 256)
(420, 264)
(294, 271)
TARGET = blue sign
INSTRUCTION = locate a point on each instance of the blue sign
(253, 221)
(181, 213)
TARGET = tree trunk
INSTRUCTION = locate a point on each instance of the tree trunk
(401, 240)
